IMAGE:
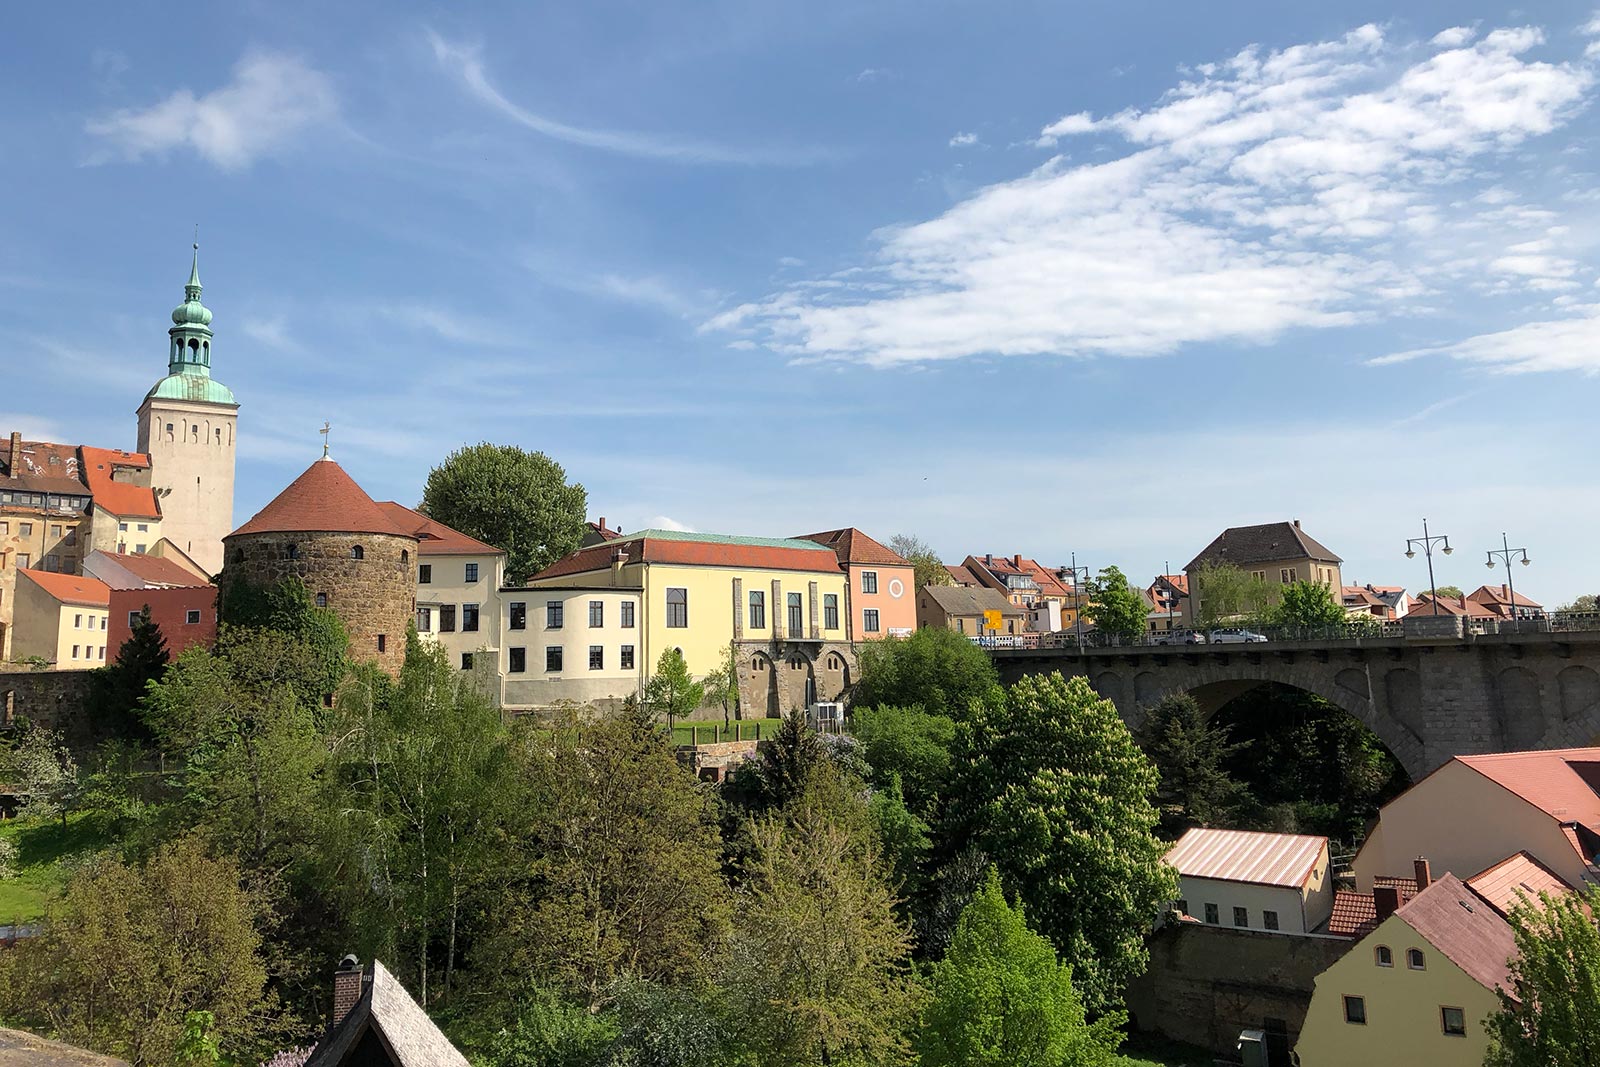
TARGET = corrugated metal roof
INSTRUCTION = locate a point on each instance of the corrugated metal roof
(1245, 856)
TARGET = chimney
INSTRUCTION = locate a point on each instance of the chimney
(1387, 898)
(1297, 524)
(1423, 871)
(602, 522)
(988, 560)
(16, 454)
(347, 982)
(1016, 561)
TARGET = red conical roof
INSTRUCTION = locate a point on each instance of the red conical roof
(322, 500)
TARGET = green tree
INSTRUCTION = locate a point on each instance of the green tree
(1002, 999)
(722, 684)
(1225, 593)
(819, 965)
(933, 668)
(911, 745)
(43, 774)
(1191, 753)
(671, 690)
(923, 559)
(547, 1030)
(1587, 602)
(1308, 606)
(1548, 1018)
(141, 660)
(1450, 590)
(128, 954)
(1053, 787)
(287, 608)
(1116, 607)
(516, 500)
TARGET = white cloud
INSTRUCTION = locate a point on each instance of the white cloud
(964, 140)
(1564, 344)
(270, 100)
(666, 522)
(1592, 27)
(1454, 37)
(31, 427)
(1311, 187)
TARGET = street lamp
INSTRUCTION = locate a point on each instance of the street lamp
(1427, 542)
(1078, 572)
(1507, 553)
(1166, 578)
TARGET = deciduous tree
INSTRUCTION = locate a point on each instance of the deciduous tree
(1224, 593)
(923, 559)
(910, 744)
(672, 691)
(1548, 1018)
(1115, 607)
(1308, 606)
(518, 501)
(43, 774)
(934, 668)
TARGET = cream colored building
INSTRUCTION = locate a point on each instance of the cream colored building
(458, 589)
(1476, 810)
(1254, 881)
(1280, 553)
(570, 643)
(61, 618)
(1414, 991)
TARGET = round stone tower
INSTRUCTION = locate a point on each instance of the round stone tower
(324, 530)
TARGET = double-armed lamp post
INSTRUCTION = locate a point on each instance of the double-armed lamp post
(1427, 542)
(1080, 578)
(1508, 554)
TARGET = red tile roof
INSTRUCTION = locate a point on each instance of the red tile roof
(960, 575)
(659, 546)
(1501, 595)
(1356, 913)
(322, 500)
(1246, 856)
(1452, 919)
(71, 588)
(43, 467)
(1556, 781)
(122, 499)
(1502, 883)
(435, 538)
(605, 532)
(853, 546)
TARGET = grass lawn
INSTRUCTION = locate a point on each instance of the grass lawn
(41, 846)
(710, 731)
(1147, 1050)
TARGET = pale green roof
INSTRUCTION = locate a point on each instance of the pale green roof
(722, 539)
(198, 387)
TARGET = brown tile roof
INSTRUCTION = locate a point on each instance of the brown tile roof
(1246, 856)
(71, 588)
(43, 467)
(1500, 595)
(154, 570)
(1241, 545)
(1451, 605)
(967, 601)
(1000, 566)
(1180, 582)
(122, 499)
(960, 575)
(322, 500)
(1501, 884)
(702, 550)
(853, 546)
(435, 538)
(1356, 913)
(1452, 919)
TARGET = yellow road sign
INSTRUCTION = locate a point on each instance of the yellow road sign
(991, 620)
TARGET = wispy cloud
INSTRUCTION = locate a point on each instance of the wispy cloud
(466, 63)
(667, 522)
(31, 426)
(964, 140)
(445, 324)
(1311, 187)
(1557, 344)
(271, 99)
(1427, 412)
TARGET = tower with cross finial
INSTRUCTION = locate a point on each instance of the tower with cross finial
(187, 424)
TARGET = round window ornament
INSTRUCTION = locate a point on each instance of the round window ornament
(897, 588)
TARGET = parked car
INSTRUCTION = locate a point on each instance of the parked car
(1178, 637)
(1237, 637)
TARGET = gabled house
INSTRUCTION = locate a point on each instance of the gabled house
(1515, 878)
(1027, 584)
(965, 610)
(1169, 597)
(598, 533)
(880, 588)
(1280, 553)
(1253, 881)
(458, 582)
(61, 618)
(375, 1023)
(181, 600)
(962, 576)
(1505, 604)
(1471, 610)
(1416, 989)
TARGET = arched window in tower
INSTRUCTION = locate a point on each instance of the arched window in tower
(238, 555)
(219, 435)
(205, 346)
(357, 552)
(169, 433)
(291, 551)
(194, 432)
(405, 557)
(194, 347)
(322, 600)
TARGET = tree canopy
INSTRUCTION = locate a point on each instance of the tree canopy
(933, 668)
(1556, 980)
(518, 501)
(1115, 607)
(930, 570)
(1308, 606)
(1224, 592)
(671, 690)
(1191, 754)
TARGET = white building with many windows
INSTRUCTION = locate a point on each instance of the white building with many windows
(576, 643)
(1254, 881)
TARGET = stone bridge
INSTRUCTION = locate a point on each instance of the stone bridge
(1428, 699)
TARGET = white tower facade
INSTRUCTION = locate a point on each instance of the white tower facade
(187, 426)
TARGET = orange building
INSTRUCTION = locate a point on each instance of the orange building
(880, 591)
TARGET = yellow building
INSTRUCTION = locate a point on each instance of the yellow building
(779, 602)
(62, 618)
(1416, 990)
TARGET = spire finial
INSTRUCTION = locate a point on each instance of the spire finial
(324, 432)
(192, 288)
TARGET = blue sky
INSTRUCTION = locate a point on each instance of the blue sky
(1014, 277)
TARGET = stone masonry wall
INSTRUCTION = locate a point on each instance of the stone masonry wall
(374, 596)
(58, 700)
(774, 675)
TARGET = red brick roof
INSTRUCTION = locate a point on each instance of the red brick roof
(683, 548)
(1559, 782)
(122, 499)
(1355, 914)
(1246, 856)
(853, 546)
(1501, 595)
(71, 588)
(435, 538)
(1452, 919)
(1501, 883)
(322, 500)
(961, 575)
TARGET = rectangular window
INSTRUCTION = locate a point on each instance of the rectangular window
(25, 529)
(597, 613)
(1182, 906)
(519, 661)
(424, 574)
(1241, 917)
(869, 581)
(597, 657)
(466, 661)
(191, 618)
(447, 618)
(472, 572)
(122, 527)
(144, 528)
(77, 622)
(555, 612)
(102, 651)
(830, 611)
(627, 614)
(424, 620)
(55, 531)
(1453, 1021)
(469, 618)
(133, 619)
(1259, 574)
(1211, 915)
(552, 659)
(625, 661)
(1355, 1010)
(23, 559)
(69, 565)
(52, 562)
(519, 615)
(758, 610)
(869, 621)
(105, 620)
(677, 608)
(383, 642)
(140, 549)
(1269, 919)
(1289, 574)
(74, 651)
(5, 529)
(797, 616)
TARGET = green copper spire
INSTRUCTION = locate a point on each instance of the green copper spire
(189, 352)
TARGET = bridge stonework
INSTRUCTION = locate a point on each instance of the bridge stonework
(1427, 699)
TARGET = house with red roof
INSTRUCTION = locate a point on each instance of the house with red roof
(1504, 602)
(62, 619)
(458, 590)
(1029, 585)
(1475, 811)
(880, 597)
(1253, 881)
(182, 602)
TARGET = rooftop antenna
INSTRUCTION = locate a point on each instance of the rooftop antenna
(324, 432)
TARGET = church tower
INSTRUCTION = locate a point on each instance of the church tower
(186, 427)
